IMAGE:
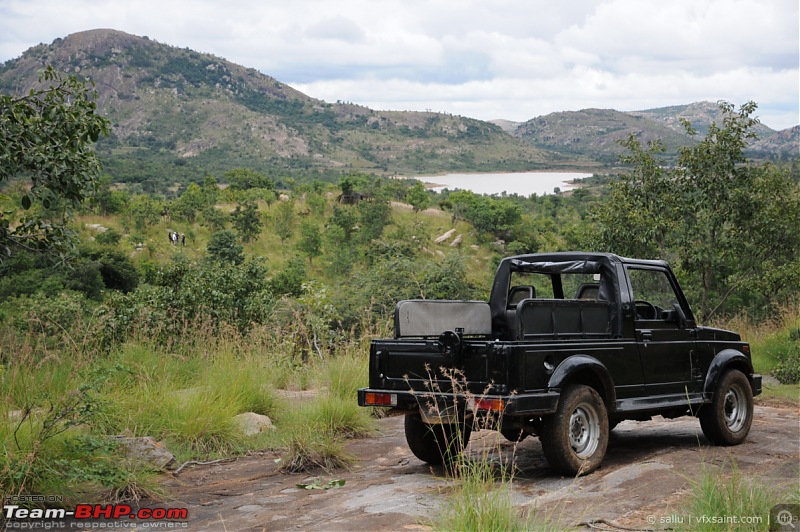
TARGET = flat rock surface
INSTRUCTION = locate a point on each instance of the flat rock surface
(646, 475)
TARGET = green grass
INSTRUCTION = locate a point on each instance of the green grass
(185, 395)
(781, 393)
(771, 341)
(480, 498)
(718, 501)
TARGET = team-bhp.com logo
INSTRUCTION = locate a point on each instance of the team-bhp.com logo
(115, 512)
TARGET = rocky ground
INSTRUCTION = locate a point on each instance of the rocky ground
(646, 476)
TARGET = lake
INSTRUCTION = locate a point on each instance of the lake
(522, 183)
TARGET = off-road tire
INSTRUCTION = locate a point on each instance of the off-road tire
(727, 419)
(575, 438)
(435, 443)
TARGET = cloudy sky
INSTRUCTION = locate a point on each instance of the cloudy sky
(512, 59)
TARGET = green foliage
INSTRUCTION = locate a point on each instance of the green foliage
(116, 269)
(788, 369)
(374, 217)
(284, 219)
(246, 221)
(46, 136)
(310, 240)
(787, 348)
(245, 179)
(214, 218)
(186, 293)
(111, 237)
(107, 201)
(143, 211)
(487, 214)
(289, 281)
(731, 228)
(90, 270)
(191, 202)
(418, 197)
(224, 247)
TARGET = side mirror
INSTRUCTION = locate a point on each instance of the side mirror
(680, 315)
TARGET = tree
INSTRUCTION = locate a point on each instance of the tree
(190, 203)
(143, 210)
(107, 201)
(642, 211)
(245, 179)
(46, 137)
(310, 241)
(223, 247)
(214, 218)
(284, 219)
(731, 227)
(246, 220)
(418, 197)
(374, 216)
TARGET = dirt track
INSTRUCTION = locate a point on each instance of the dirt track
(646, 474)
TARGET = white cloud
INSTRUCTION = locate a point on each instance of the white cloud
(481, 58)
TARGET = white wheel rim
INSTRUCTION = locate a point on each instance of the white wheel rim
(584, 431)
(734, 410)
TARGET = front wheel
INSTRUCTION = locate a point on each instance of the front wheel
(435, 443)
(575, 438)
(727, 419)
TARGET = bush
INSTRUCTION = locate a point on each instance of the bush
(116, 270)
(109, 238)
(224, 247)
(788, 369)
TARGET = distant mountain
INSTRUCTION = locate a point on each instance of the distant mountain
(179, 115)
(596, 133)
(785, 143)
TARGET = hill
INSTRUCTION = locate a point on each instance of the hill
(596, 133)
(178, 115)
(183, 114)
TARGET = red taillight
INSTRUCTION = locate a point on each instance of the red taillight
(380, 399)
(490, 404)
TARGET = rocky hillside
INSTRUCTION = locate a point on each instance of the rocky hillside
(183, 114)
(596, 133)
(179, 115)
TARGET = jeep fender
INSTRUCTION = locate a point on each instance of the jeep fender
(725, 359)
(584, 369)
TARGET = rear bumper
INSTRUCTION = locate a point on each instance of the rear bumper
(527, 404)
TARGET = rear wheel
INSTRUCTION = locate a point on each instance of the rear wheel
(727, 419)
(435, 443)
(575, 438)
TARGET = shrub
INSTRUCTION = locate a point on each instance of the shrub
(109, 238)
(224, 247)
(788, 369)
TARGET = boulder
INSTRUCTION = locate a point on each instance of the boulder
(146, 450)
(446, 236)
(251, 423)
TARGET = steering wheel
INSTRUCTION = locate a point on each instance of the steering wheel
(645, 310)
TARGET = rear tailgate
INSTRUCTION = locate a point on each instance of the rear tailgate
(424, 365)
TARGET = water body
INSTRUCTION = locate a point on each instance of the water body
(522, 183)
